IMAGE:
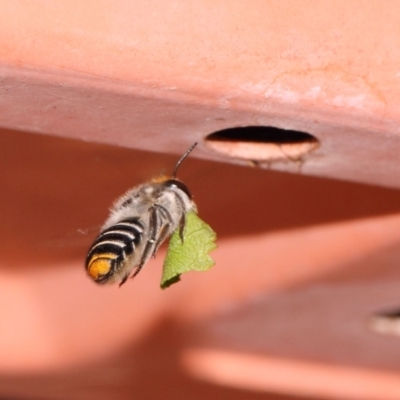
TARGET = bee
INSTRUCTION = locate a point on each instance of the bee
(139, 222)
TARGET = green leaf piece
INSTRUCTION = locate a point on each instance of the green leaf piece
(192, 254)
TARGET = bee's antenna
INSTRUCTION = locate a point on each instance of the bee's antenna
(182, 158)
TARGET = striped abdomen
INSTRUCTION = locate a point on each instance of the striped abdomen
(112, 248)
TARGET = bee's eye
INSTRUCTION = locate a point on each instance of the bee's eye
(178, 184)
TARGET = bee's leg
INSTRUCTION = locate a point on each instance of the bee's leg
(182, 224)
(148, 249)
(182, 221)
(162, 236)
(124, 279)
(165, 229)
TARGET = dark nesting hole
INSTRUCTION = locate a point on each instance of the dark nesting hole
(386, 322)
(261, 134)
(262, 143)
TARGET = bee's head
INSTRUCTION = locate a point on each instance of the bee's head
(174, 183)
(171, 181)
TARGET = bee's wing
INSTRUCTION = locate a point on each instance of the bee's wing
(76, 238)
